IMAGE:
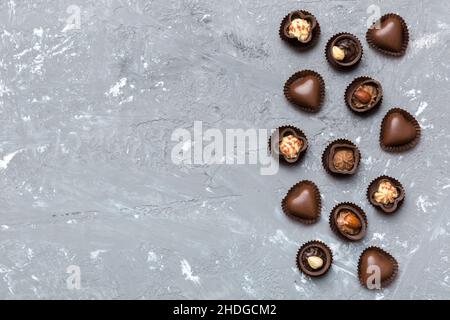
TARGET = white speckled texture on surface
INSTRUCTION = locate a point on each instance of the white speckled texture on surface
(85, 171)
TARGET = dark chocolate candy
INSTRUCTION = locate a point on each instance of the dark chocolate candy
(363, 94)
(285, 150)
(343, 51)
(305, 92)
(399, 130)
(313, 33)
(386, 194)
(348, 221)
(314, 258)
(390, 35)
(341, 157)
(303, 202)
(376, 268)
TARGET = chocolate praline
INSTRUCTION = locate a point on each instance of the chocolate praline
(314, 258)
(341, 158)
(343, 51)
(300, 29)
(386, 194)
(389, 35)
(289, 144)
(303, 202)
(363, 94)
(400, 131)
(348, 221)
(305, 89)
(376, 268)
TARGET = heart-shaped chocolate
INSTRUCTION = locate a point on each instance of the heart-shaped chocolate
(389, 35)
(376, 268)
(305, 89)
(303, 202)
(399, 130)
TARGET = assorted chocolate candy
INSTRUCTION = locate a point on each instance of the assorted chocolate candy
(399, 131)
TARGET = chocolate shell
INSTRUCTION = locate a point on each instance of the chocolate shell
(400, 131)
(351, 47)
(391, 37)
(386, 208)
(313, 250)
(314, 33)
(341, 158)
(303, 202)
(360, 100)
(348, 221)
(306, 90)
(376, 268)
(278, 136)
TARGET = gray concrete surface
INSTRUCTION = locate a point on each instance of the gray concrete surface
(87, 178)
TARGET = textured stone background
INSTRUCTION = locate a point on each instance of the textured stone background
(85, 171)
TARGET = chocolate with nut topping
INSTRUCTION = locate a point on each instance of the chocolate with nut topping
(348, 221)
(343, 51)
(314, 258)
(386, 194)
(363, 94)
(300, 29)
(288, 143)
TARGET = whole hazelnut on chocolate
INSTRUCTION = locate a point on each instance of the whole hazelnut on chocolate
(315, 262)
(348, 222)
(362, 95)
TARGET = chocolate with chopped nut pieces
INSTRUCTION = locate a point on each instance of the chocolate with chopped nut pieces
(386, 194)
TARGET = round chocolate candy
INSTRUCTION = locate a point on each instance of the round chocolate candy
(343, 51)
(314, 258)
